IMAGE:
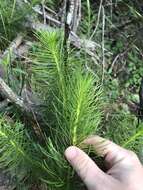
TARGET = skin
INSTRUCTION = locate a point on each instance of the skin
(125, 172)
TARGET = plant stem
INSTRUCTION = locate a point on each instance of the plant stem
(76, 120)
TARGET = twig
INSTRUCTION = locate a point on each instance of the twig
(50, 10)
(37, 9)
(103, 44)
(114, 61)
(119, 56)
(44, 12)
(98, 19)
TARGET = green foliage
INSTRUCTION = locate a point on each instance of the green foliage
(54, 4)
(112, 88)
(135, 68)
(12, 17)
(75, 103)
(73, 112)
(88, 19)
(16, 149)
(77, 95)
(124, 130)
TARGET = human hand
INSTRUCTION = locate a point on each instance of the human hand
(125, 172)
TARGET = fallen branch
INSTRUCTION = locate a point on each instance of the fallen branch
(6, 91)
(10, 52)
(3, 104)
(32, 115)
(37, 9)
(87, 45)
(16, 49)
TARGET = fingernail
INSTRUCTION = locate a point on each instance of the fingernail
(71, 153)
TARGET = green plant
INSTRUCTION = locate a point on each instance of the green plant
(134, 68)
(17, 151)
(12, 16)
(123, 129)
(69, 89)
(73, 112)
(75, 103)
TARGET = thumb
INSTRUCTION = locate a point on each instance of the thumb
(89, 172)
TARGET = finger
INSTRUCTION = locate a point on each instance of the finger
(89, 172)
(105, 148)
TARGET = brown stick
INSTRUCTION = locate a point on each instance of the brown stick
(88, 45)
(7, 92)
(12, 49)
(10, 96)
(48, 17)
